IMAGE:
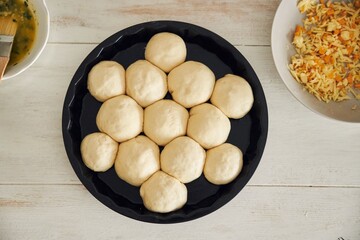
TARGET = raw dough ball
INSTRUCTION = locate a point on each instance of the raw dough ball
(208, 126)
(120, 117)
(191, 83)
(106, 80)
(163, 193)
(233, 96)
(166, 50)
(137, 160)
(223, 164)
(98, 151)
(183, 158)
(145, 83)
(164, 121)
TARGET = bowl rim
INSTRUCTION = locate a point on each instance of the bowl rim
(43, 44)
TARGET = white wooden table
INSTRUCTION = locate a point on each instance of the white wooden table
(307, 185)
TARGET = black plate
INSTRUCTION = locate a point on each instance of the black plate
(127, 46)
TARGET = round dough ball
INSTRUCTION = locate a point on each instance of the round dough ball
(137, 160)
(223, 164)
(163, 193)
(106, 80)
(164, 121)
(191, 83)
(166, 50)
(145, 83)
(98, 151)
(120, 117)
(183, 158)
(208, 125)
(233, 96)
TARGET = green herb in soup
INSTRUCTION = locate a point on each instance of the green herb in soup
(21, 13)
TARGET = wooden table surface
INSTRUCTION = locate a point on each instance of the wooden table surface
(306, 187)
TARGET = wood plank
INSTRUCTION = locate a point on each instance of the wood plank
(244, 22)
(261, 213)
(302, 148)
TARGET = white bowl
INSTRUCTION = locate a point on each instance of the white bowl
(286, 18)
(42, 35)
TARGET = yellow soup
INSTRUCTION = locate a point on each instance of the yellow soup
(21, 13)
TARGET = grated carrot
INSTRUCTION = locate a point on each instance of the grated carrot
(342, 21)
(330, 12)
(338, 78)
(350, 78)
(298, 30)
(327, 59)
(322, 50)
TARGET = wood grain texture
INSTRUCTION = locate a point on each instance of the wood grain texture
(242, 22)
(261, 213)
(302, 148)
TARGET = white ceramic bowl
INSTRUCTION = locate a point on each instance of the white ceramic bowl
(286, 18)
(43, 22)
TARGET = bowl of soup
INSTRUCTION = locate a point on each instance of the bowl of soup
(32, 18)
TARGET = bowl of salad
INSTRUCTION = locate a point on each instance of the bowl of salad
(316, 50)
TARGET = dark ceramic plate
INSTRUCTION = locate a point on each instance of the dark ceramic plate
(127, 46)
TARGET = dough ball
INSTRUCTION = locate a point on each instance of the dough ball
(164, 121)
(208, 126)
(183, 158)
(233, 96)
(120, 117)
(223, 164)
(191, 83)
(166, 50)
(98, 151)
(163, 193)
(137, 160)
(106, 80)
(145, 83)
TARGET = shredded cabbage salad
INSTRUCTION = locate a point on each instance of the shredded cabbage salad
(327, 48)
